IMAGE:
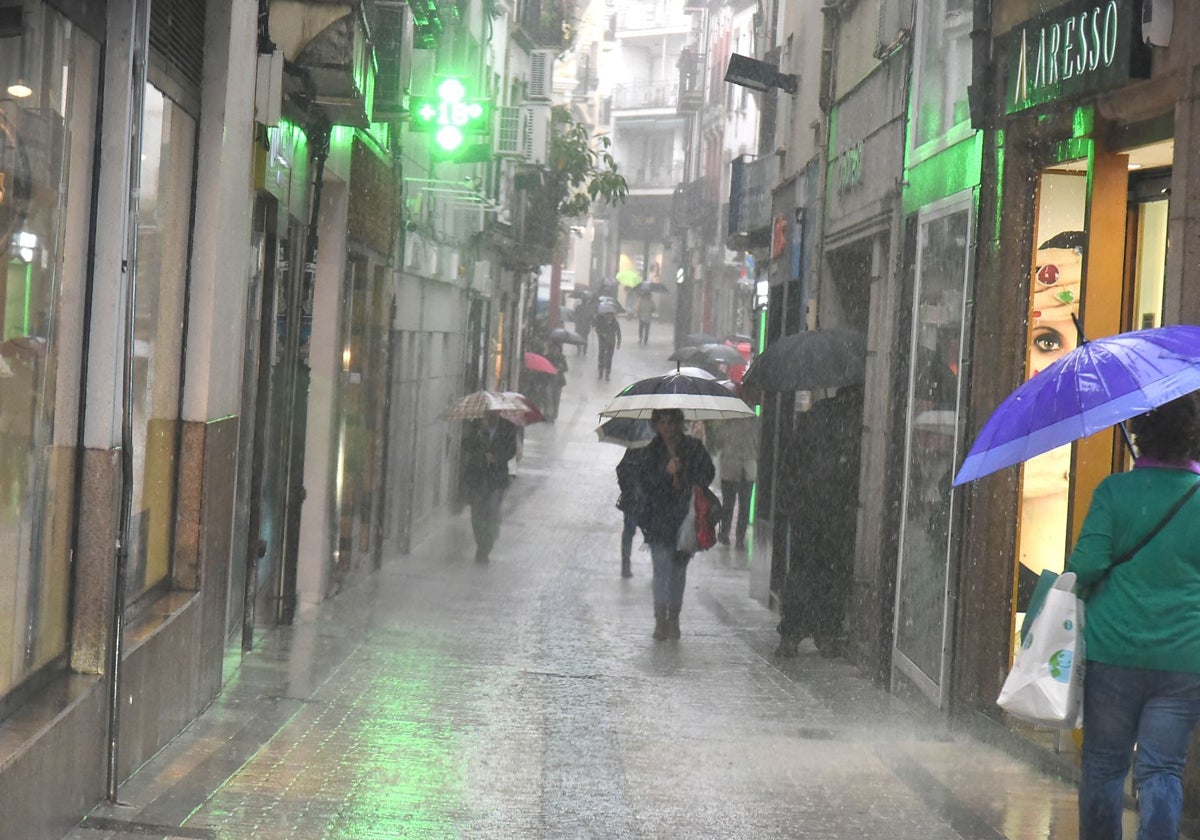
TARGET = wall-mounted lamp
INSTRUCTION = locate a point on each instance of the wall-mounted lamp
(759, 75)
(19, 89)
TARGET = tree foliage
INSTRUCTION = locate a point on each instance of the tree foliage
(581, 167)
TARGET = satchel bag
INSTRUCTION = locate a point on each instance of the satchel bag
(1045, 685)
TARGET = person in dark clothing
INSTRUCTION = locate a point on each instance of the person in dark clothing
(608, 337)
(819, 498)
(671, 465)
(630, 502)
(487, 447)
(585, 315)
(555, 385)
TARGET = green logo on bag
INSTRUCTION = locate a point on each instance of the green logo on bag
(1060, 665)
(1068, 624)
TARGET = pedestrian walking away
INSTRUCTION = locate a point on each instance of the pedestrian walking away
(488, 445)
(735, 445)
(645, 314)
(1142, 633)
(671, 466)
(608, 339)
(585, 315)
(631, 503)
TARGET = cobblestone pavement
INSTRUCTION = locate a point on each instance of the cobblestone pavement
(524, 698)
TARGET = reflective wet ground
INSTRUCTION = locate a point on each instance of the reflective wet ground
(524, 698)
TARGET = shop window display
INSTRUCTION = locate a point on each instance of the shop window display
(168, 147)
(48, 75)
(1055, 291)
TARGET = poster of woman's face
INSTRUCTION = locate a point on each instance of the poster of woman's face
(1057, 275)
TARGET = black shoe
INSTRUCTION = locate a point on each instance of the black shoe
(481, 556)
(788, 649)
(740, 545)
(723, 539)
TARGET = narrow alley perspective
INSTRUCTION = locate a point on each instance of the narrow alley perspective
(525, 698)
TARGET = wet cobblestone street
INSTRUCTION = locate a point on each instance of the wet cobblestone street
(524, 698)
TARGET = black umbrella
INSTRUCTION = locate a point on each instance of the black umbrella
(697, 398)
(565, 336)
(650, 288)
(632, 434)
(806, 361)
(607, 305)
(708, 354)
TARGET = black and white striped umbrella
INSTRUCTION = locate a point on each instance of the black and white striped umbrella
(697, 398)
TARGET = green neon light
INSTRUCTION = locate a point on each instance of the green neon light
(762, 343)
(28, 295)
(449, 114)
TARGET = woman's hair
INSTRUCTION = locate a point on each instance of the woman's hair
(672, 414)
(1170, 432)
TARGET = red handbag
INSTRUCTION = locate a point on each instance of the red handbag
(708, 516)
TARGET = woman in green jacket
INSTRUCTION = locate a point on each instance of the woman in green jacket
(1142, 628)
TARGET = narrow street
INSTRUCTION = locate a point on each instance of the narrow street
(524, 698)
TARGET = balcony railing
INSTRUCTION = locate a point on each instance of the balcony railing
(645, 95)
(637, 17)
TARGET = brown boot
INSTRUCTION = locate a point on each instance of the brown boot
(673, 622)
(660, 622)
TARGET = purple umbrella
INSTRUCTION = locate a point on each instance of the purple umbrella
(1097, 385)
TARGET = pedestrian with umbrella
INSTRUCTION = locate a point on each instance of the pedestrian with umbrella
(669, 469)
(1136, 560)
(489, 442)
(818, 484)
(585, 316)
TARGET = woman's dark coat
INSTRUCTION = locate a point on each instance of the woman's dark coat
(478, 477)
(664, 505)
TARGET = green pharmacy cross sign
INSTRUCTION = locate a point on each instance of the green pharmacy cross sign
(450, 115)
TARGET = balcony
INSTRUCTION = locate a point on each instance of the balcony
(650, 176)
(644, 95)
(544, 23)
(635, 19)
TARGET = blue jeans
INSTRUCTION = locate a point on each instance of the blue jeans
(1122, 706)
(670, 576)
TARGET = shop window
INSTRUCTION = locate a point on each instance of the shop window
(942, 276)
(943, 70)
(168, 147)
(1056, 290)
(47, 133)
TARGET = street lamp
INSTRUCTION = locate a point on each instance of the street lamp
(759, 75)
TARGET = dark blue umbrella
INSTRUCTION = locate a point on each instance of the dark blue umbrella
(1097, 385)
(698, 398)
(632, 434)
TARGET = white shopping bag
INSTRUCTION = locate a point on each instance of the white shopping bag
(685, 537)
(1045, 685)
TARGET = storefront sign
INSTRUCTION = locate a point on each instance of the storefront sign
(750, 185)
(849, 168)
(1079, 48)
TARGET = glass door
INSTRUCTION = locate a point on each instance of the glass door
(932, 438)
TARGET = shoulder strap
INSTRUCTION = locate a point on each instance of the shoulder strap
(1162, 523)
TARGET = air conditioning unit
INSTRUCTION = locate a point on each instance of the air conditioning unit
(541, 74)
(523, 132)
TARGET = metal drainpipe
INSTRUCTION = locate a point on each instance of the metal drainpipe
(979, 95)
(141, 46)
(285, 610)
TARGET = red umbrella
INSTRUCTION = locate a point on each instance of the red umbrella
(539, 364)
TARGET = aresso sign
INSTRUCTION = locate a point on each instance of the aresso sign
(1077, 49)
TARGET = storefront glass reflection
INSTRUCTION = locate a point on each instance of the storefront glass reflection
(941, 283)
(46, 138)
(166, 198)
